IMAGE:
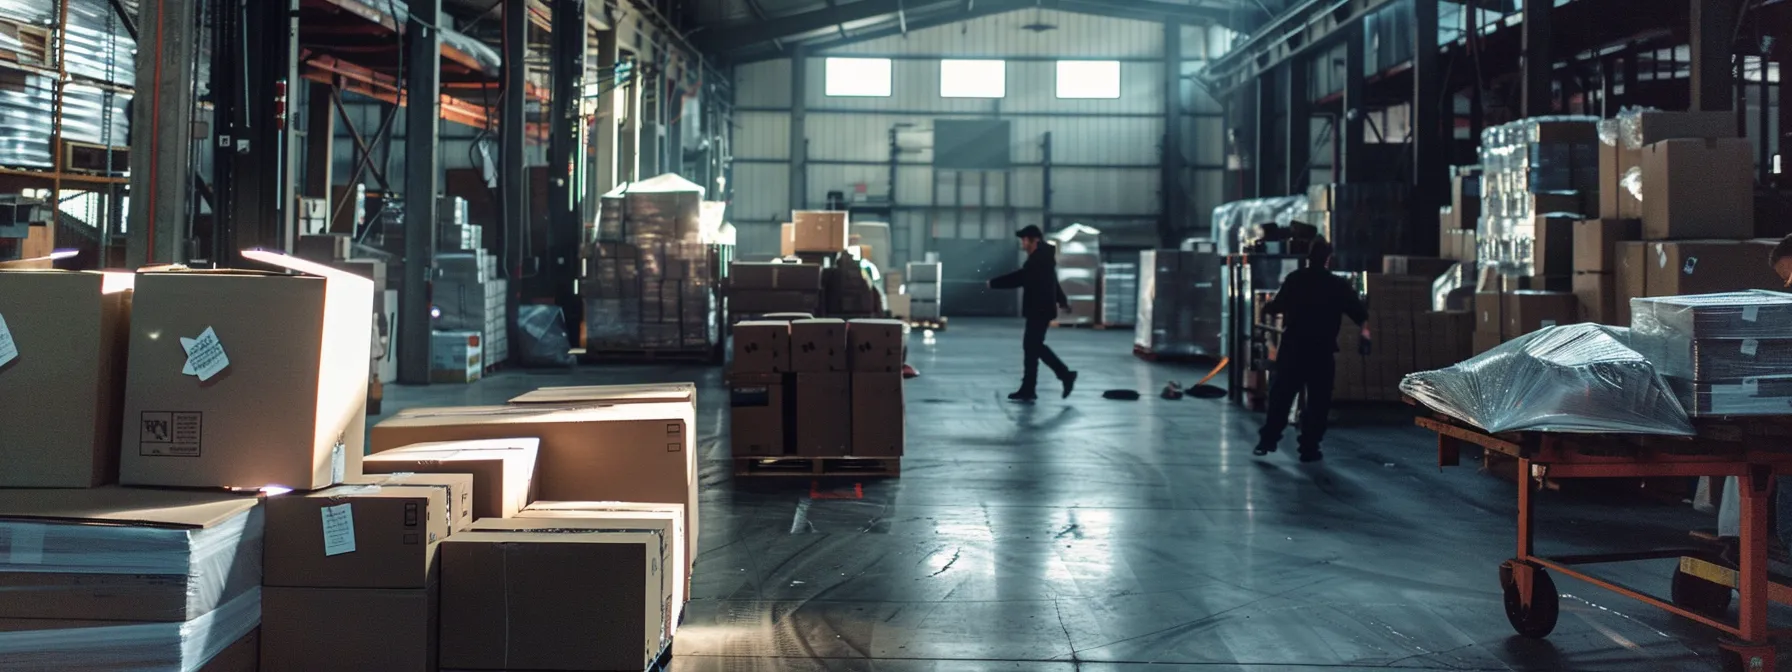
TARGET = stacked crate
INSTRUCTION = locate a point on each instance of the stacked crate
(1721, 354)
(651, 277)
(923, 282)
(1079, 273)
(1362, 221)
(1119, 294)
(817, 388)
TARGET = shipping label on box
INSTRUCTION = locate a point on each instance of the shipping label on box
(818, 345)
(356, 536)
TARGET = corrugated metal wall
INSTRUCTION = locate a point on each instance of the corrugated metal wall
(1106, 153)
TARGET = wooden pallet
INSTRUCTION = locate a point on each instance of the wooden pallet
(936, 325)
(640, 356)
(811, 467)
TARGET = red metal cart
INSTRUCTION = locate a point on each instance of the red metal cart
(1752, 449)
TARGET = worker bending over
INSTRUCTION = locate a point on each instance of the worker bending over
(1313, 303)
(1040, 299)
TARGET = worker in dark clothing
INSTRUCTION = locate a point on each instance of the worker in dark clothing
(1313, 302)
(1041, 299)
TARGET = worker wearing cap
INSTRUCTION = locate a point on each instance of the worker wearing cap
(1041, 299)
(1313, 302)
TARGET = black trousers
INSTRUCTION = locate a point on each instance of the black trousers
(1295, 372)
(1034, 349)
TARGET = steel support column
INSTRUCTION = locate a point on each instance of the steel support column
(1264, 132)
(1713, 32)
(566, 142)
(513, 173)
(1298, 153)
(1785, 104)
(1175, 197)
(1430, 138)
(608, 119)
(422, 117)
(162, 130)
(799, 121)
(1349, 167)
(320, 142)
(1536, 86)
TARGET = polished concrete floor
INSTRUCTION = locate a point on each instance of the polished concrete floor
(1105, 536)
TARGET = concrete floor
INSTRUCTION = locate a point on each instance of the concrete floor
(1105, 536)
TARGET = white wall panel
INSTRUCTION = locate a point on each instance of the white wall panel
(825, 178)
(913, 185)
(857, 136)
(762, 192)
(1077, 35)
(1203, 140)
(1087, 140)
(1029, 191)
(1105, 191)
(756, 240)
(762, 135)
(763, 84)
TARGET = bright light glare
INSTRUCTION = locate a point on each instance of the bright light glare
(1088, 79)
(864, 77)
(973, 79)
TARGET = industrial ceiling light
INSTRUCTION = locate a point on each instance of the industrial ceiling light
(1039, 24)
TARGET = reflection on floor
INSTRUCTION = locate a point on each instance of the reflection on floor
(1102, 535)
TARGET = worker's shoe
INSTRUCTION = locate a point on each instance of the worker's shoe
(1263, 449)
(1023, 396)
(1069, 383)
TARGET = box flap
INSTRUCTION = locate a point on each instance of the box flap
(112, 505)
(582, 393)
(448, 451)
(600, 507)
(497, 415)
(563, 536)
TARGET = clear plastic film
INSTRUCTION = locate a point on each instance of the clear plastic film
(652, 271)
(129, 647)
(1079, 271)
(1453, 289)
(1633, 182)
(1119, 294)
(1179, 303)
(1534, 168)
(1236, 222)
(1581, 378)
(214, 564)
(1722, 354)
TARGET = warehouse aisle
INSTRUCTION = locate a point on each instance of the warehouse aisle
(1105, 535)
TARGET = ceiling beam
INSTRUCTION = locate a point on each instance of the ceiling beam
(722, 40)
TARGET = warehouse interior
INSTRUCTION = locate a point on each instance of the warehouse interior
(569, 335)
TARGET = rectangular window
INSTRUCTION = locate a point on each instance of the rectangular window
(973, 79)
(1088, 79)
(862, 77)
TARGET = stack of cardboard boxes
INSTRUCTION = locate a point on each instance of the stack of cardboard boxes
(836, 285)
(923, 278)
(1406, 335)
(817, 388)
(652, 272)
(761, 288)
(1457, 221)
(1079, 273)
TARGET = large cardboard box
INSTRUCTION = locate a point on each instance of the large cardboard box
(349, 629)
(1596, 243)
(356, 536)
(1632, 279)
(1529, 310)
(1597, 297)
(823, 403)
(1553, 248)
(63, 338)
(60, 553)
(1699, 188)
(758, 301)
(761, 347)
(637, 393)
(877, 414)
(1709, 266)
(818, 345)
(759, 413)
(1490, 313)
(787, 239)
(277, 393)
(876, 346)
(627, 452)
(561, 600)
(755, 275)
(456, 487)
(666, 524)
(1647, 128)
(503, 470)
(684, 555)
(820, 231)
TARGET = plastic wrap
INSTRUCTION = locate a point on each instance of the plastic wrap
(667, 207)
(1537, 167)
(214, 564)
(1581, 378)
(129, 647)
(1453, 289)
(1079, 272)
(1179, 303)
(1119, 294)
(543, 331)
(1722, 354)
(1236, 222)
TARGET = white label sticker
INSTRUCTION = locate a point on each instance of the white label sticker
(1749, 346)
(27, 544)
(339, 529)
(8, 349)
(1691, 265)
(1749, 313)
(205, 355)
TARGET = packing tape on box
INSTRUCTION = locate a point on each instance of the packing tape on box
(184, 646)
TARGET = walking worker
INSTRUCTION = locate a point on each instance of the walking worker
(1313, 303)
(1041, 299)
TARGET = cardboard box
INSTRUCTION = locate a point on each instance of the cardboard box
(1596, 240)
(818, 345)
(901, 306)
(667, 525)
(1631, 280)
(1699, 188)
(456, 486)
(684, 554)
(216, 535)
(761, 347)
(639, 393)
(1648, 128)
(1709, 266)
(288, 406)
(456, 357)
(243, 655)
(820, 231)
(796, 277)
(627, 452)
(364, 629)
(823, 403)
(756, 301)
(503, 470)
(1484, 341)
(356, 536)
(1553, 248)
(878, 413)
(787, 239)
(1425, 267)
(1490, 312)
(564, 600)
(1529, 310)
(1597, 297)
(876, 346)
(759, 413)
(63, 342)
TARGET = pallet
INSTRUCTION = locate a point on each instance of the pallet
(91, 159)
(936, 325)
(811, 467)
(645, 356)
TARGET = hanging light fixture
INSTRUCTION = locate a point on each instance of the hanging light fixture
(1039, 24)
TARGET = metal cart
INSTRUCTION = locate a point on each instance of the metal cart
(1250, 279)
(1752, 449)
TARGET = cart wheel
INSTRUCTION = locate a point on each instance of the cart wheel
(1736, 661)
(1538, 620)
(1700, 595)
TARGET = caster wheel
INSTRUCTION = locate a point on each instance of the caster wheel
(1700, 595)
(1736, 662)
(1539, 619)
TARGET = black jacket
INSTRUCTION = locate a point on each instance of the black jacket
(1038, 281)
(1314, 302)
